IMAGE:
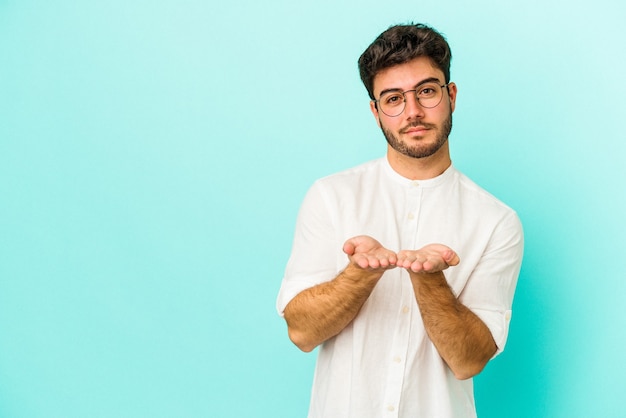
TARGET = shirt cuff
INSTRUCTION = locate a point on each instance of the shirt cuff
(498, 324)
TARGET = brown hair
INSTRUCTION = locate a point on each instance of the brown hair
(400, 44)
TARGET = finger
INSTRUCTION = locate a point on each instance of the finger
(432, 267)
(403, 259)
(407, 263)
(374, 262)
(416, 266)
(366, 261)
(402, 262)
(360, 261)
(447, 253)
(389, 262)
(383, 262)
(403, 254)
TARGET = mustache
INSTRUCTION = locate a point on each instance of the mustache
(418, 124)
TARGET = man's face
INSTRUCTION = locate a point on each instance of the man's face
(417, 132)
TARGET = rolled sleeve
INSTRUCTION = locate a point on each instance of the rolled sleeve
(491, 286)
(498, 324)
(314, 253)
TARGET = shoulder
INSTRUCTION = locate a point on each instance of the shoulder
(351, 178)
(344, 185)
(369, 168)
(486, 203)
(476, 192)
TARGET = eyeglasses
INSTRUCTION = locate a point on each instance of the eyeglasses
(428, 95)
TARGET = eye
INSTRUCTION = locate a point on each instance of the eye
(392, 99)
(428, 90)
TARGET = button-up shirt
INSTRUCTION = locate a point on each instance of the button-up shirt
(383, 364)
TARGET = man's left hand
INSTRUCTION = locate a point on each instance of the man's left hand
(429, 259)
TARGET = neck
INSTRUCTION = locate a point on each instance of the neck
(420, 168)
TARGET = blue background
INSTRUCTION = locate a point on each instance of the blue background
(153, 156)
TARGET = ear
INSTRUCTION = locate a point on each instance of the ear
(374, 111)
(452, 90)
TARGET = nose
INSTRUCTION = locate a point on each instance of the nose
(412, 108)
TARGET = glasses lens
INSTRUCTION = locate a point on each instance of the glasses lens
(392, 103)
(429, 95)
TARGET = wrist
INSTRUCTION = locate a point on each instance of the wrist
(356, 274)
(423, 276)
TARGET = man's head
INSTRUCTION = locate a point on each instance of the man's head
(406, 71)
(401, 44)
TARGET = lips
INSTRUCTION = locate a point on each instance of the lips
(416, 129)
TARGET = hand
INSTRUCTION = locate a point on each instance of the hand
(429, 259)
(369, 254)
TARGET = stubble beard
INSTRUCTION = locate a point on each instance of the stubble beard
(420, 150)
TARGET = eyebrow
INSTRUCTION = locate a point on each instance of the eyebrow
(427, 80)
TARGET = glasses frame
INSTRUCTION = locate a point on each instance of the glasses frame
(416, 99)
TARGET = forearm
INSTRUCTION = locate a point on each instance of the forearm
(321, 312)
(462, 339)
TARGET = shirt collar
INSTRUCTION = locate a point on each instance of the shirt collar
(433, 182)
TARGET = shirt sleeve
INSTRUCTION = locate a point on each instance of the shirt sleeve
(490, 288)
(314, 250)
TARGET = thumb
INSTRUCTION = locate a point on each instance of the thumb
(451, 258)
(359, 242)
(349, 247)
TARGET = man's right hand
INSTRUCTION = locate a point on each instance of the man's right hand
(323, 311)
(369, 254)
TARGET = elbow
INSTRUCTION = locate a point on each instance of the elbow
(301, 341)
(465, 374)
(473, 363)
(468, 370)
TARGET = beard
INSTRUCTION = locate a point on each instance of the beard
(420, 150)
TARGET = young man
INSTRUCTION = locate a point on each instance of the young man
(402, 269)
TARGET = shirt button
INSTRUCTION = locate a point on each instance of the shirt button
(415, 183)
(390, 408)
(405, 309)
(397, 359)
(411, 216)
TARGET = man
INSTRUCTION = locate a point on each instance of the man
(402, 269)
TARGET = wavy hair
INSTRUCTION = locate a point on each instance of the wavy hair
(400, 44)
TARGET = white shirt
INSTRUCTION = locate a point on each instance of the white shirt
(383, 364)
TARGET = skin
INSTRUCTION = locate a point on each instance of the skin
(406, 128)
(323, 311)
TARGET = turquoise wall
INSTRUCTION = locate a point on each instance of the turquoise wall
(153, 156)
